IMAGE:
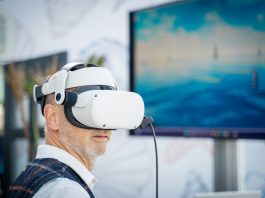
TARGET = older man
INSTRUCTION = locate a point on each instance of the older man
(81, 105)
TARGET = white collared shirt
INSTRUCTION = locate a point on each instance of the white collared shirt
(63, 187)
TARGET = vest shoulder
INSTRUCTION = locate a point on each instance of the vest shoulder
(61, 187)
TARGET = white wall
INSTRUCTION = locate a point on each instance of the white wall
(83, 27)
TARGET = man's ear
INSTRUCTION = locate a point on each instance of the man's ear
(51, 115)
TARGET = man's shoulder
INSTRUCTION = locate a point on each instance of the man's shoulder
(49, 178)
(61, 187)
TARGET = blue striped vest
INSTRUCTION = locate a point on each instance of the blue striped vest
(39, 172)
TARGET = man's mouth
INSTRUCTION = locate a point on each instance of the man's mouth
(101, 137)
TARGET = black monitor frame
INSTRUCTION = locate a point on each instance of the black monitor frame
(217, 133)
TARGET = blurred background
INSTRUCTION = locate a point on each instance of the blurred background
(39, 36)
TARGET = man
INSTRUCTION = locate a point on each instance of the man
(80, 106)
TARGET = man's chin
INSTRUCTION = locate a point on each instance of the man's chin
(96, 153)
(101, 151)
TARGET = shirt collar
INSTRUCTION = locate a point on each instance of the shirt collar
(48, 151)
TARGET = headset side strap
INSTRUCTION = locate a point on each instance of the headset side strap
(60, 83)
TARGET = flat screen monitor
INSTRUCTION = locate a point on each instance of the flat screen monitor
(200, 67)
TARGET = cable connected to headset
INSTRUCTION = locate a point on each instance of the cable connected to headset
(148, 121)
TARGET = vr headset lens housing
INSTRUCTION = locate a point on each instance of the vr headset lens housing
(108, 109)
(94, 101)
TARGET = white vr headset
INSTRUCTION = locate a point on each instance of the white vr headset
(91, 98)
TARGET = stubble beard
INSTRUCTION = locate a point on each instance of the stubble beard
(82, 146)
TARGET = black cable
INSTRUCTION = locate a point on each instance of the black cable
(156, 154)
(148, 121)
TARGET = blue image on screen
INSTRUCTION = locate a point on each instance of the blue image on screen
(201, 64)
(211, 100)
